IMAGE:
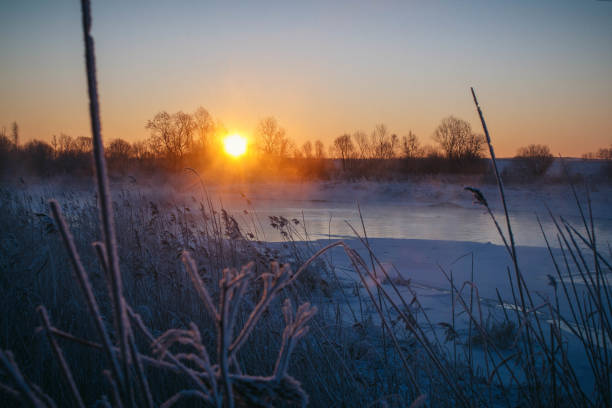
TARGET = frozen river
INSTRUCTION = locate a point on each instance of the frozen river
(449, 215)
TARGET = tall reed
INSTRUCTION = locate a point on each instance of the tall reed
(220, 384)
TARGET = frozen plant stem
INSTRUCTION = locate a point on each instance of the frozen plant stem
(86, 287)
(59, 355)
(519, 278)
(8, 365)
(106, 210)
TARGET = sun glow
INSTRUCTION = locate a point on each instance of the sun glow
(235, 145)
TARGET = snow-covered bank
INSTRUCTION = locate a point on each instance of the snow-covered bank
(424, 263)
(422, 268)
(417, 230)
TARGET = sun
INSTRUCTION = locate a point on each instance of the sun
(235, 145)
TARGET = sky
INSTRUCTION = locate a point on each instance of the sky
(542, 69)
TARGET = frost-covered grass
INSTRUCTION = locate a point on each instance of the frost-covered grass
(390, 326)
(375, 338)
(169, 306)
(220, 381)
(152, 236)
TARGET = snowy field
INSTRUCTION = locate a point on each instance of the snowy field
(421, 234)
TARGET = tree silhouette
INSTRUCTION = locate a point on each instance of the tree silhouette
(383, 144)
(171, 135)
(271, 138)
(535, 158)
(319, 150)
(15, 133)
(363, 144)
(344, 148)
(307, 149)
(204, 128)
(118, 150)
(457, 140)
(411, 146)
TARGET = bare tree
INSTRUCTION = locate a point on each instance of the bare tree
(411, 146)
(119, 150)
(307, 149)
(221, 131)
(184, 126)
(171, 135)
(363, 144)
(7, 155)
(378, 140)
(319, 150)
(54, 144)
(286, 146)
(65, 144)
(383, 145)
(391, 147)
(204, 128)
(535, 158)
(343, 146)
(15, 133)
(161, 133)
(83, 144)
(604, 153)
(457, 140)
(298, 153)
(140, 150)
(271, 139)
(601, 153)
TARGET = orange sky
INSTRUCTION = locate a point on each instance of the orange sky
(542, 71)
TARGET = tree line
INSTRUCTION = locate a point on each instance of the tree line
(178, 140)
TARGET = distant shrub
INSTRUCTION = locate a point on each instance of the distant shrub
(530, 161)
(6, 147)
(535, 158)
(38, 156)
(119, 153)
(602, 154)
(605, 153)
(435, 163)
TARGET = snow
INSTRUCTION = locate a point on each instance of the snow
(417, 230)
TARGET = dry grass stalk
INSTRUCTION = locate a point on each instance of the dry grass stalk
(235, 386)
